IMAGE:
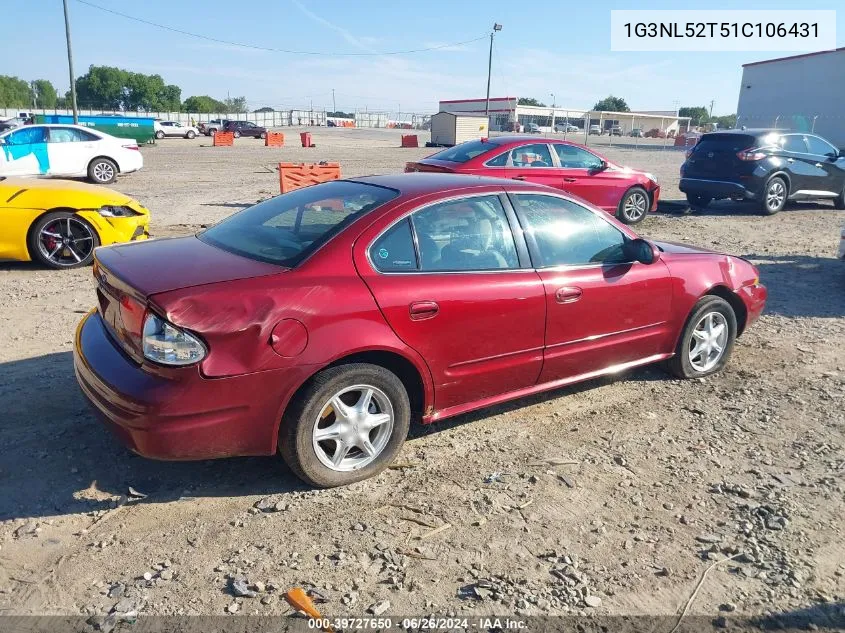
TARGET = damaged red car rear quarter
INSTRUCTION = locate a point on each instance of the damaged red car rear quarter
(282, 329)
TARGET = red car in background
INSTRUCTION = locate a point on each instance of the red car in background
(319, 323)
(621, 191)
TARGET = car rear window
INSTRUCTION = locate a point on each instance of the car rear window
(725, 143)
(286, 229)
(465, 151)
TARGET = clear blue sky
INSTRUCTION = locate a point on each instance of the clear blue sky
(552, 47)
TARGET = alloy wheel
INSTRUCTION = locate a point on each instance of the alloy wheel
(66, 242)
(708, 342)
(775, 195)
(353, 428)
(635, 206)
(103, 172)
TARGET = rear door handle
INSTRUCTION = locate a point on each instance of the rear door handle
(568, 294)
(569, 179)
(519, 178)
(790, 160)
(819, 165)
(420, 310)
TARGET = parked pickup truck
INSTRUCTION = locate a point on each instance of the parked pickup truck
(210, 128)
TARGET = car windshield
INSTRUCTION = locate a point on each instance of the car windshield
(465, 151)
(286, 229)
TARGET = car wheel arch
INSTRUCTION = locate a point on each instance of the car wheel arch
(723, 292)
(45, 212)
(780, 174)
(418, 383)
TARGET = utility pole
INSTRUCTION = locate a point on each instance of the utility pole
(34, 94)
(496, 27)
(711, 108)
(334, 105)
(70, 68)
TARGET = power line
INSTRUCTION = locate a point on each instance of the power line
(274, 50)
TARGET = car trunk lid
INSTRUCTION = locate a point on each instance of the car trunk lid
(431, 165)
(715, 155)
(129, 274)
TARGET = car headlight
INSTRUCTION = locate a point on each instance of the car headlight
(166, 344)
(651, 177)
(109, 211)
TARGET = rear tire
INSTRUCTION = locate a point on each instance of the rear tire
(262, 135)
(236, 134)
(698, 201)
(190, 135)
(212, 132)
(839, 201)
(693, 358)
(102, 171)
(159, 135)
(312, 407)
(634, 206)
(774, 195)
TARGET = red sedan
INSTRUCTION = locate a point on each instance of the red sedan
(621, 191)
(320, 322)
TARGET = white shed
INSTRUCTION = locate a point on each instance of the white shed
(452, 128)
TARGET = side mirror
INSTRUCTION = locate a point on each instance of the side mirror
(601, 166)
(640, 250)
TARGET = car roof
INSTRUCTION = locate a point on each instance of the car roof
(422, 183)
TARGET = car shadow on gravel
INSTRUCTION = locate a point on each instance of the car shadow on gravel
(731, 208)
(802, 285)
(58, 458)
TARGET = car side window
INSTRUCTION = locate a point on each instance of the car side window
(500, 161)
(469, 234)
(567, 234)
(572, 157)
(394, 250)
(536, 155)
(794, 143)
(27, 135)
(820, 147)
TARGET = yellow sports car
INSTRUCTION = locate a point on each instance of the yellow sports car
(59, 223)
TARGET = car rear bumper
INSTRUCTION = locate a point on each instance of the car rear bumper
(181, 415)
(130, 160)
(754, 297)
(715, 188)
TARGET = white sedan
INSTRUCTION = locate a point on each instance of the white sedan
(67, 151)
(174, 128)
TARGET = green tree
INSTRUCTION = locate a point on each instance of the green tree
(697, 114)
(264, 109)
(611, 104)
(235, 104)
(726, 122)
(530, 101)
(341, 115)
(110, 88)
(14, 92)
(44, 93)
(203, 105)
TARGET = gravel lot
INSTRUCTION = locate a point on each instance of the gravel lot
(611, 497)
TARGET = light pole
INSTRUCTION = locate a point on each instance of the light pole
(334, 105)
(496, 27)
(553, 111)
(70, 67)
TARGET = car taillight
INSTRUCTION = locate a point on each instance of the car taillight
(410, 168)
(166, 344)
(751, 155)
(690, 151)
(132, 146)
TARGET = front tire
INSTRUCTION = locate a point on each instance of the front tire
(236, 134)
(159, 135)
(262, 135)
(190, 135)
(707, 340)
(839, 201)
(62, 240)
(102, 171)
(347, 424)
(634, 206)
(698, 201)
(774, 195)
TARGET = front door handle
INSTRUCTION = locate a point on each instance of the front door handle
(790, 160)
(420, 310)
(819, 165)
(569, 179)
(519, 178)
(568, 294)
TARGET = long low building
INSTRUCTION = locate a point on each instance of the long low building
(804, 93)
(505, 113)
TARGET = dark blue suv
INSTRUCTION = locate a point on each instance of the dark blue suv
(767, 166)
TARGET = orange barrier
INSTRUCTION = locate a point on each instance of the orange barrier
(224, 139)
(274, 139)
(410, 140)
(305, 137)
(295, 175)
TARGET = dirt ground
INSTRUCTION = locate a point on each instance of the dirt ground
(611, 497)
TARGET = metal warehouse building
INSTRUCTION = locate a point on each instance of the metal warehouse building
(505, 112)
(805, 93)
